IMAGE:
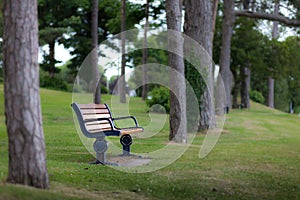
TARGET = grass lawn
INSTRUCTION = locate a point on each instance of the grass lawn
(257, 157)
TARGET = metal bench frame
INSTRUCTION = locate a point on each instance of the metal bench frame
(100, 144)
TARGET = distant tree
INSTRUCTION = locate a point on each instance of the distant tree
(145, 53)
(293, 73)
(178, 123)
(108, 23)
(122, 83)
(225, 57)
(271, 84)
(96, 76)
(154, 72)
(27, 159)
(52, 17)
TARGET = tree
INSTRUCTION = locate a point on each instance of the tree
(96, 76)
(270, 78)
(27, 160)
(122, 83)
(109, 23)
(199, 26)
(52, 17)
(228, 23)
(178, 123)
(145, 54)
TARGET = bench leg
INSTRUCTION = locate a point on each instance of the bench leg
(100, 146)
(126, 141)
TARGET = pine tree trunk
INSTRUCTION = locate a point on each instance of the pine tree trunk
(198, 26)
(271, 81)
(178, 127)
(225, 57)
(122, 83)
(245, 87)
(271, 84)
(52, 58)
(95, 74)
(145, 54)
(235, 89)
(27, 160)
(214, 17)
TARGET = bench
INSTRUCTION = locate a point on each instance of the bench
(96, 121)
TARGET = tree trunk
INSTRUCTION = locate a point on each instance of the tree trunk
(271, 81)
(198, 26)
(178, 127)
(27, 160)
(145, 54)
(52, 58)
(122, 83)
(225, 57)
(95, 74)
(271, 84)
(215, 13)
(235, 89)
(245, 87)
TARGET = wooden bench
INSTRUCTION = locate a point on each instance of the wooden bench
(96, 121)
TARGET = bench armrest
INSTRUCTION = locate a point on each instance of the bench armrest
(127, 117)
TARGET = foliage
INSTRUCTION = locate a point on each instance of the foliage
(54, 82)
(282, 94)
(256, 96)
(109, 23)
(159, 96)
(155, 71)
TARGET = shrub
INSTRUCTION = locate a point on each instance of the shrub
(160, 96)
(257, 96)
(53, 82)
(104, 90)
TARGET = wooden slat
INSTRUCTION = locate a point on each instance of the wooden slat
(96, 122)
(85, 117)
(99, 130)
(91, 105)
(98, 126)
(94, 111)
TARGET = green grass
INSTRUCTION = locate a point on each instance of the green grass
(257, 157)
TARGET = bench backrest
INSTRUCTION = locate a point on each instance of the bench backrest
(88, 114)
(93, 112)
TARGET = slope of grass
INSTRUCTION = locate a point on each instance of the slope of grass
(257, 157)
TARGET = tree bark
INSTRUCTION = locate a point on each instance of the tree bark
(122, 83)
(198, 26)
(271, 81)
(178, 127)
(215, 13)
(271, 84)
(145, 54)
(95, 74)
(52, 58)
(225, 56)
(27, 160)
(245, 87)
(235, 89)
